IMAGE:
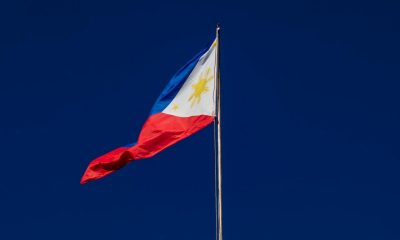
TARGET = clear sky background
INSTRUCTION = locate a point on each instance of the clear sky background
(310, 117)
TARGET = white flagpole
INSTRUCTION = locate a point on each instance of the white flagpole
(219, 162)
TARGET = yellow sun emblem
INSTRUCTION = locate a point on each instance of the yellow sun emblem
(201, 86)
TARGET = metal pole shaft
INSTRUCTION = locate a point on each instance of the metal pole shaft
(219, 160)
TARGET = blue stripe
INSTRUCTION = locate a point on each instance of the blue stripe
(175, 84)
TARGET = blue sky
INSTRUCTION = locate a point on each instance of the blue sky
(310, 119)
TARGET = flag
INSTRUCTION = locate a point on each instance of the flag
(185, 106)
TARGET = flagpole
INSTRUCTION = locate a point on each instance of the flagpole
(219, 160)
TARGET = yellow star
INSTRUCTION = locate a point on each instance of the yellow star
(201, 86)
(214, 43)
(175, 107)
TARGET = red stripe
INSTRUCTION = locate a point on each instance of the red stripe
(159, 132)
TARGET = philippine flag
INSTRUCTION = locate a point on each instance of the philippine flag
(186, 105)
